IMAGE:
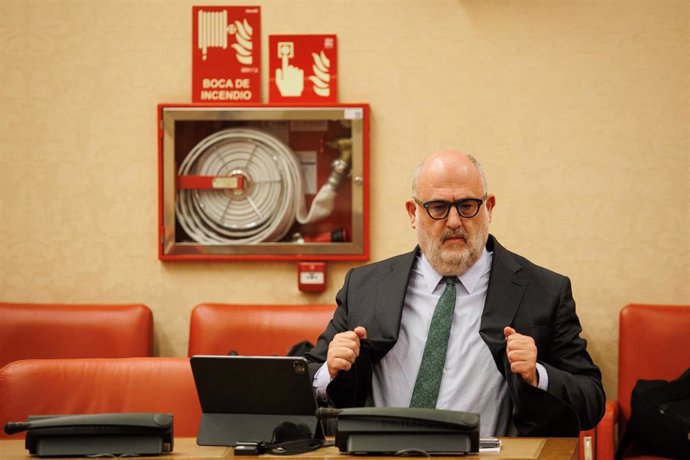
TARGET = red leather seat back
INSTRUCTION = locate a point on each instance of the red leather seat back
(74, 331)
(259, 330)
(654, 343)
(100, 385)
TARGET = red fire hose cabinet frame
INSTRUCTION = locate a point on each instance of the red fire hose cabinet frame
(263, 182)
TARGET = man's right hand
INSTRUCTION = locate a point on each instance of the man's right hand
(343, 350)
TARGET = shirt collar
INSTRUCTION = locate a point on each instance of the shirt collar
(469, 279)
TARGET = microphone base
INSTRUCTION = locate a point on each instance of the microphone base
(81, 446)
(441, 444)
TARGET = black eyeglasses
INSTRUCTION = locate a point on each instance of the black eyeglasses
(439, 210)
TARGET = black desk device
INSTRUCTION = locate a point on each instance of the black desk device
(404, 431)
(246, 398)
(117, 434)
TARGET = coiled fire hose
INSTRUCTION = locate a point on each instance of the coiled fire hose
(261, 189)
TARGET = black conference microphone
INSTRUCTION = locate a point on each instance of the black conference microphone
(16, 427)
(90, 423)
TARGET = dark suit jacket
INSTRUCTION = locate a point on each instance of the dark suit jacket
(531, 299)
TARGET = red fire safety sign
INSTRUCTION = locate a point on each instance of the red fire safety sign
(226, 54)
(303, 68)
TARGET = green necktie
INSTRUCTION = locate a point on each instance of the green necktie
(428, 381)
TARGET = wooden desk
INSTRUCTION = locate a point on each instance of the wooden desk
(187, 449)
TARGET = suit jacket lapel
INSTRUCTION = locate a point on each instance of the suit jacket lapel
(503, 298)
(353, 388)
(390, 298)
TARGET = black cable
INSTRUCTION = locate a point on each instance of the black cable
(298, 446)
(288, 438)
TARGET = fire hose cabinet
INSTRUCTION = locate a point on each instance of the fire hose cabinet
(263, 182)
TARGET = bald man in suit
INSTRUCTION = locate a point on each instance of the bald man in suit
(515, 355)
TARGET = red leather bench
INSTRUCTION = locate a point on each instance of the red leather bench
(100, 385)
(33, 330)
(259, 330)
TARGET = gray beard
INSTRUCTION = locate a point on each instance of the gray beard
(453, 263)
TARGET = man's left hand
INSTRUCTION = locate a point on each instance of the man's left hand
(522, 355)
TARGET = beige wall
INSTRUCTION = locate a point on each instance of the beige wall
(579, 111)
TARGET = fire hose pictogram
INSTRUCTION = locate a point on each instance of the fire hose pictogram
(213, 31)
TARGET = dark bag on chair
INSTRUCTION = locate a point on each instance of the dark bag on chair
(660, 418)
